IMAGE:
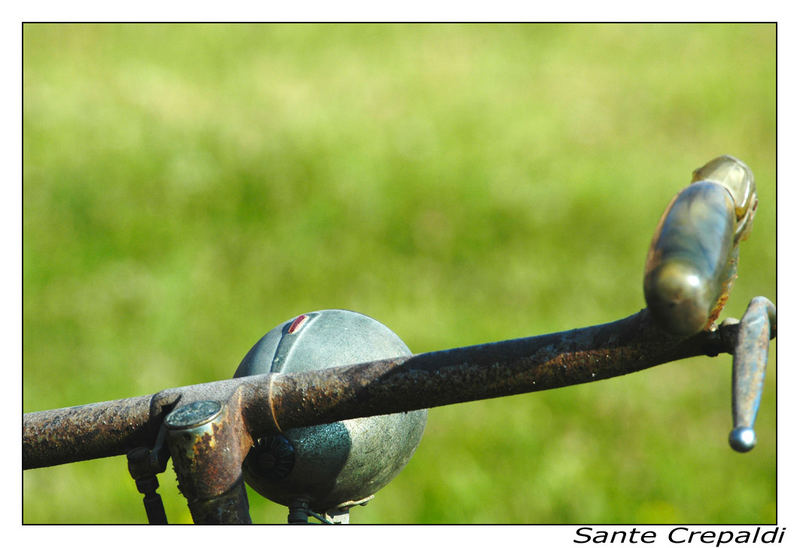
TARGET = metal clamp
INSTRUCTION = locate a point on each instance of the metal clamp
(208, 443)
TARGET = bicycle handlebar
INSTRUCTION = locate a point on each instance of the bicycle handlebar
(273, 402)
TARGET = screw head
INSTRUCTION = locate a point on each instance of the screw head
(194, 414)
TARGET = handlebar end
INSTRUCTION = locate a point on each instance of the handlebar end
(742, 439)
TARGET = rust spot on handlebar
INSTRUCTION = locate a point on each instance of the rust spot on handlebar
(83, 432)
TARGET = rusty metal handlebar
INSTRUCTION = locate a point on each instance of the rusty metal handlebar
(271, 403)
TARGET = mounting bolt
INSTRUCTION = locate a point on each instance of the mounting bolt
(193, 414)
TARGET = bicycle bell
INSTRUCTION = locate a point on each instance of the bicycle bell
(331, 467)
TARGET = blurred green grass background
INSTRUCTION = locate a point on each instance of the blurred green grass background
(188, 187)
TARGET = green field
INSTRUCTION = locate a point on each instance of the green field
(188, 187)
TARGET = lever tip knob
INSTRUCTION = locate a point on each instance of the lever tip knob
(742, 439)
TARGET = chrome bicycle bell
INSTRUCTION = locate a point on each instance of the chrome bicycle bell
(331, 467)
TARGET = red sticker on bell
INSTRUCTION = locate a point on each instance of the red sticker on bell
(298, 323)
